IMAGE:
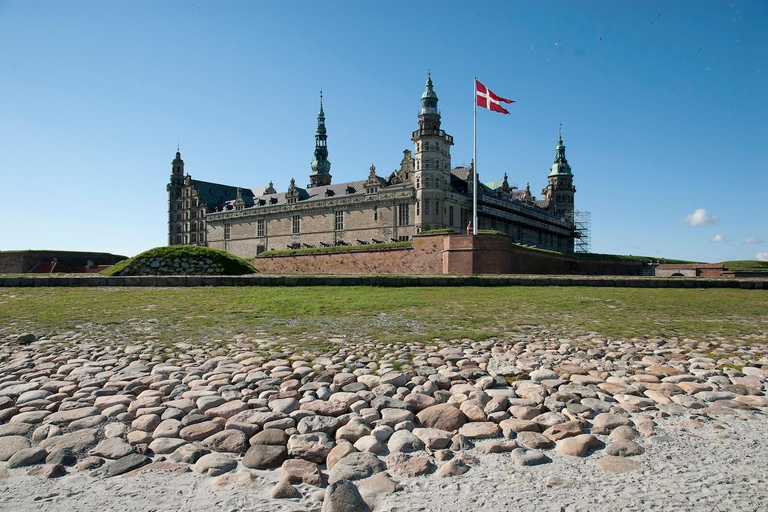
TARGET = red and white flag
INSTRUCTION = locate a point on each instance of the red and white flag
(487, 99)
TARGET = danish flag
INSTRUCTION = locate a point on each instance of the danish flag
(487, 99)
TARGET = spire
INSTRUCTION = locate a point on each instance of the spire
(321, 166)
(560, 166)
(429, 98)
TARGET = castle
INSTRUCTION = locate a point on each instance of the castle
(424, 194)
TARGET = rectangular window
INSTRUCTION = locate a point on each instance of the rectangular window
(402, 214)
(450, 215)
(227, 230)
(178, 239)
(403, 238)
(426, 207)
(261, 228)
(437, 207)
(338, 220)
(375, 213)
(296, 224)
(418, 207)
(260, 249)
(193, 238)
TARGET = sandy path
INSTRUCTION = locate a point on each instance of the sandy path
(683, 469)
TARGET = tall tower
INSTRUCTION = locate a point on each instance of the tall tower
(174, 188)
(560, 190)
(432, 159)
(321, 166)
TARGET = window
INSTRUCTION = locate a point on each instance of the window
(338, 220)
(403, 238)
(426, 181)
(193, 238)
(437, 207)
(261, 228)
(426, 207)
(296, 224)
(426, 146)
(402, 214)
(194, 226)
(450, 215)
(418, 207)
(178, 239)
(227, 230)
(418, 182)
(375, 213)
(260, 249)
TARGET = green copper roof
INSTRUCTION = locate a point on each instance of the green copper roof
(561, 164)
(428, 91)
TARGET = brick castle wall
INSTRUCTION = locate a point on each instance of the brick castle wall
(446, 254)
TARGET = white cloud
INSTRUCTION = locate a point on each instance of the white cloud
(701, 218)
(751, 240)
(762, 256)
(719, 239)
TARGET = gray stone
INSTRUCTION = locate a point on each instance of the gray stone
(229, 441)
(524, 457)
(317, 423)
(189, 453)
(265, 456)
(453, 467)
(165, 445)
(10, 445)
(127, 463)
(311, 447)
(113, 448)
(215, 464)
(65, 417)
(355, 466)
(48, 471)
(63, 456)
(284, 490)
(404, 441)
(77, 441)
(26, 457)
(624, 449)
(343, 496)
(443, 417)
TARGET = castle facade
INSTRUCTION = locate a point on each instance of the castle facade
(425, 193)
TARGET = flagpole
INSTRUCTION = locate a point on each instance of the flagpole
(474, 164)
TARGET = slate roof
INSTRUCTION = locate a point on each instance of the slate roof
(310, 194)
(216, 195)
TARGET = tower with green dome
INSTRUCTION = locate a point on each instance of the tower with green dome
(432, 161)
(321, 166)
(559, 193)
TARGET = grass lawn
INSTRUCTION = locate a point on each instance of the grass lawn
(314, 314)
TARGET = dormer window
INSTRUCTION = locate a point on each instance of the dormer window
(329, 192)
(272, 200)
(350, 190)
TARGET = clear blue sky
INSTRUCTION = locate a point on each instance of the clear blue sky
(663, 105)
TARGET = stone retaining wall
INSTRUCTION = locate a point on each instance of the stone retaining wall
(163, 266)
(382, 280)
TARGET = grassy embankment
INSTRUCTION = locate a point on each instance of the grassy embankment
(310, 316)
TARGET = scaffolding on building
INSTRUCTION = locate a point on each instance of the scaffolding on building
(582, 222)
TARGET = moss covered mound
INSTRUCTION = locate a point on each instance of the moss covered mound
(182, 260)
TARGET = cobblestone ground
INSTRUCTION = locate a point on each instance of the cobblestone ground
(533, 419)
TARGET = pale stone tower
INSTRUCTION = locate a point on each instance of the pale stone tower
(432, 173)
(174, 193)
(321, 166)
(560, 191)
